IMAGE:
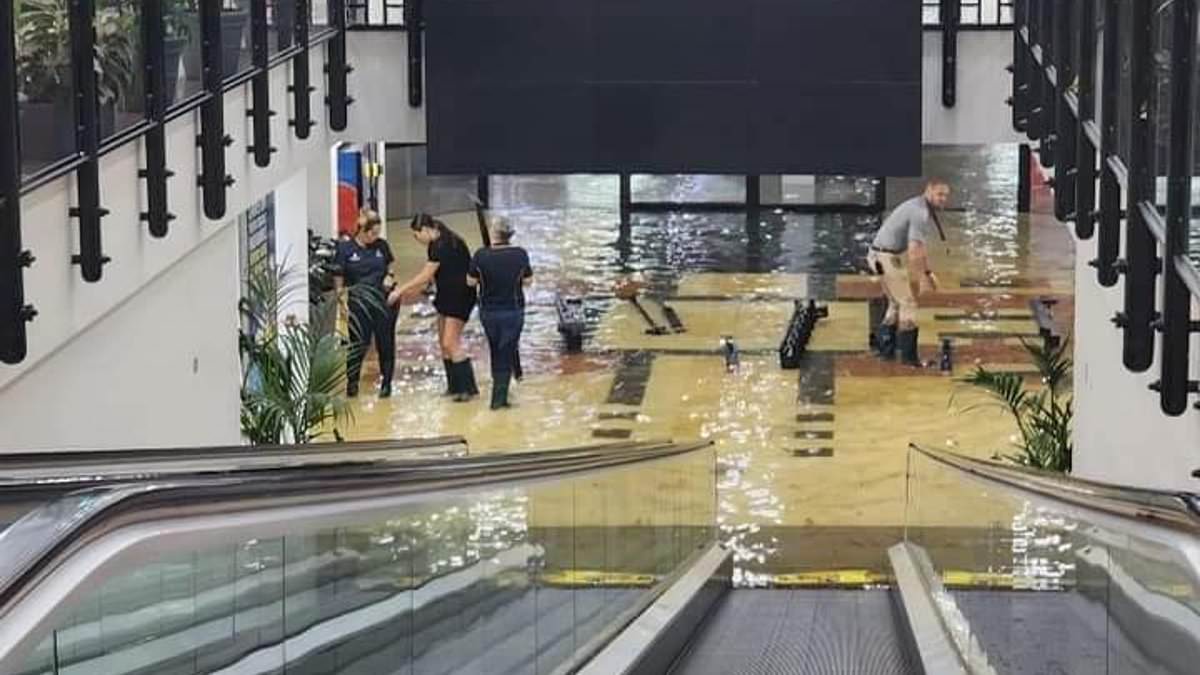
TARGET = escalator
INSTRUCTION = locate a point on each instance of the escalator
(606, 559)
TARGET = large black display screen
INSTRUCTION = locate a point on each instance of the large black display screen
(674, 86)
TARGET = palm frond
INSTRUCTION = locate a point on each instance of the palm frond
(1043, 417)
(294, 375)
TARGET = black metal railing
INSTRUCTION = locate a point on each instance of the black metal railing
(135, 65)
(1106, 87)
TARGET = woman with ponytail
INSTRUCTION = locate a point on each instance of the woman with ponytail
(447, 259)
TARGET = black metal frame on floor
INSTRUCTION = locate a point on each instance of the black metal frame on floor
(1123, 136)
(90, 146)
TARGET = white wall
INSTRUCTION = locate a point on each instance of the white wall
(159, 370)
(81, 330)
(980, 114)
(1121, 434)
(381, 58)
(291, 236)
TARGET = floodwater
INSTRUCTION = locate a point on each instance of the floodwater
(810, 462)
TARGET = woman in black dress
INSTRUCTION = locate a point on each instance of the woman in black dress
(501, 273)
(448, 258)
(364, 266)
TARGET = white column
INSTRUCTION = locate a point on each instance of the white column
(291, 237)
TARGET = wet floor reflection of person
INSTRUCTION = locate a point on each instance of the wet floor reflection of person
(501, 272)
(364, 263)
(447, 260)
(899, 255)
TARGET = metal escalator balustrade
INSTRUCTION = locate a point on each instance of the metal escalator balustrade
(29, 480)
(1084, 577)
(456, 568)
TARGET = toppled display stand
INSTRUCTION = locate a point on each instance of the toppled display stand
(799, 332)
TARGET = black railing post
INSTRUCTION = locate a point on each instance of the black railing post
(1024, 178)
(1177, 300)
(302, 88)
(1021, 70)
(1066, 125)
(1108, 241)
(1141, 266)
(1085, 157)
(414, 19)
(157, 215)
(753, 195)
(14, 313)
(625, 199)
(260, 112)
(214, 182)
(951, 15)
(337, 70)
(91, 258)
(1049, 99)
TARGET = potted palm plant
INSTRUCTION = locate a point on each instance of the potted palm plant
(294, 374)
(1043, 415)
(43, 36)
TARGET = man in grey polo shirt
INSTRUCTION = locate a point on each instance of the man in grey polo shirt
(898, 254)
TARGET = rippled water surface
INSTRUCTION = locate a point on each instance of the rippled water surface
(779, 513)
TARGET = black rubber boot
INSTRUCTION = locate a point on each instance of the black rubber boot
(447, 364)
(885, 336)
(469, 388)
(465, 388)
(385, 389)
(500, 394)
(906, 341)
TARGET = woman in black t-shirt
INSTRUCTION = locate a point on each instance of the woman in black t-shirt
(447, 259)
(364, 265)
(501, 272)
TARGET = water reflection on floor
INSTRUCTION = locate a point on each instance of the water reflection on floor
(802, 454)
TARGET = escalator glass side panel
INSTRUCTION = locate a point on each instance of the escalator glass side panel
(1043, 585)
(519, 578)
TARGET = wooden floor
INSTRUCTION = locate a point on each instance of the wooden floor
(822, 446)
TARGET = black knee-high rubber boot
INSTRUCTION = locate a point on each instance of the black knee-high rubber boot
(906, 341)
(469, 387)
(500, 392)
(448, 365)
(465, 388)
(886, 338)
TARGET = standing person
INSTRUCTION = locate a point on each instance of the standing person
(898, 255)
(447, 260)
(364, 262)
(501, 272)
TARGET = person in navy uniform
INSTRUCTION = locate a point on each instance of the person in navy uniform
(501, 273)
(365, 262)
(447, 260)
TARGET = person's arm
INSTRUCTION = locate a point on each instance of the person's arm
(918, 253)
(527, 273)
(389, 279)
(416, 284)
(473, 272)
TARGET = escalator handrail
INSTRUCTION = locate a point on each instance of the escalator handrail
(137, 473)
(69, 458)
(1176, 510)
(41, 547)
